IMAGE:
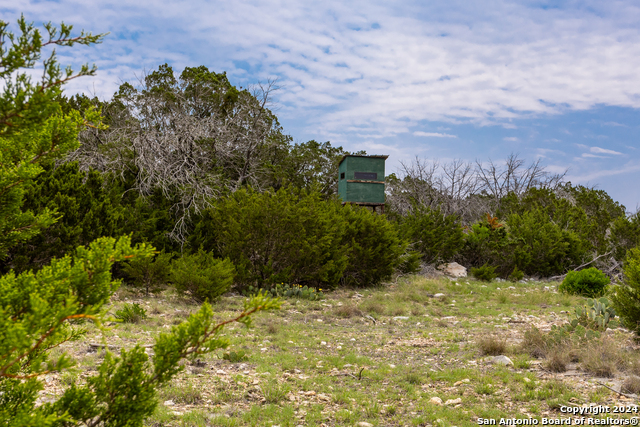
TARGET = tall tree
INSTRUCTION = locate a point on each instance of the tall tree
(33, 128)
(194, 136)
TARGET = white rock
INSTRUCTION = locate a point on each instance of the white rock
(401, 318)
(457, 383)
(169, 403)
(439, 295)
(454, 269)
(453, 402)
(502, 360)
(436, 401)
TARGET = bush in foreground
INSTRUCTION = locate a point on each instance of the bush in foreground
(40, 311)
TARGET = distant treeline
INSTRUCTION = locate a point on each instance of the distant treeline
(191, 163)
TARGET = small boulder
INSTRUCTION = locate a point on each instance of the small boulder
(453, 402)
(453, 269)
(502, 360)
(436, 401)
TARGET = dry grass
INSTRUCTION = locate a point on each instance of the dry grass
(272, 328)
(557, 359)
(373, 307)
(602, 357)
(186, 394)
(631, 384)
(534, 343)
(347, 311)
(491, 345)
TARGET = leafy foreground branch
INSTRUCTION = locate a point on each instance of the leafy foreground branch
(40, 311)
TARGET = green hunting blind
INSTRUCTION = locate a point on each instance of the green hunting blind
(361, 180)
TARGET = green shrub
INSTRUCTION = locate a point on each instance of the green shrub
(131, 313)
(87, 210)
(485, 273)
(626, 295)
(539, 245)
(438, 237)
(202, 275)
(486, 242)
(410, 262)
(586, 214)
(590, 282)
(149, 273)
(625, 235)
(235, 356)
(373, 247)
(516, 275)
(288, 236)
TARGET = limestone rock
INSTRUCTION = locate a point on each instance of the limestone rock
(453, 269)
(453, 402)
(502, 360)
(436, 401)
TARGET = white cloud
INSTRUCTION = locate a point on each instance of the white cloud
(629, 167)
(511, 139)
(434, 134)
(599, 150)
(378, 66)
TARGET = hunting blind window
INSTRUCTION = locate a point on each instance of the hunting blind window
(366, 175)
(342, 175)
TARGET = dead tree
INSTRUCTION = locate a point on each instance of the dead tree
(194, 137)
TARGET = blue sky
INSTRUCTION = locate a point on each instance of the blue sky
(440, 80)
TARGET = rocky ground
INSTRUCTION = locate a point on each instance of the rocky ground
(419, 352)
